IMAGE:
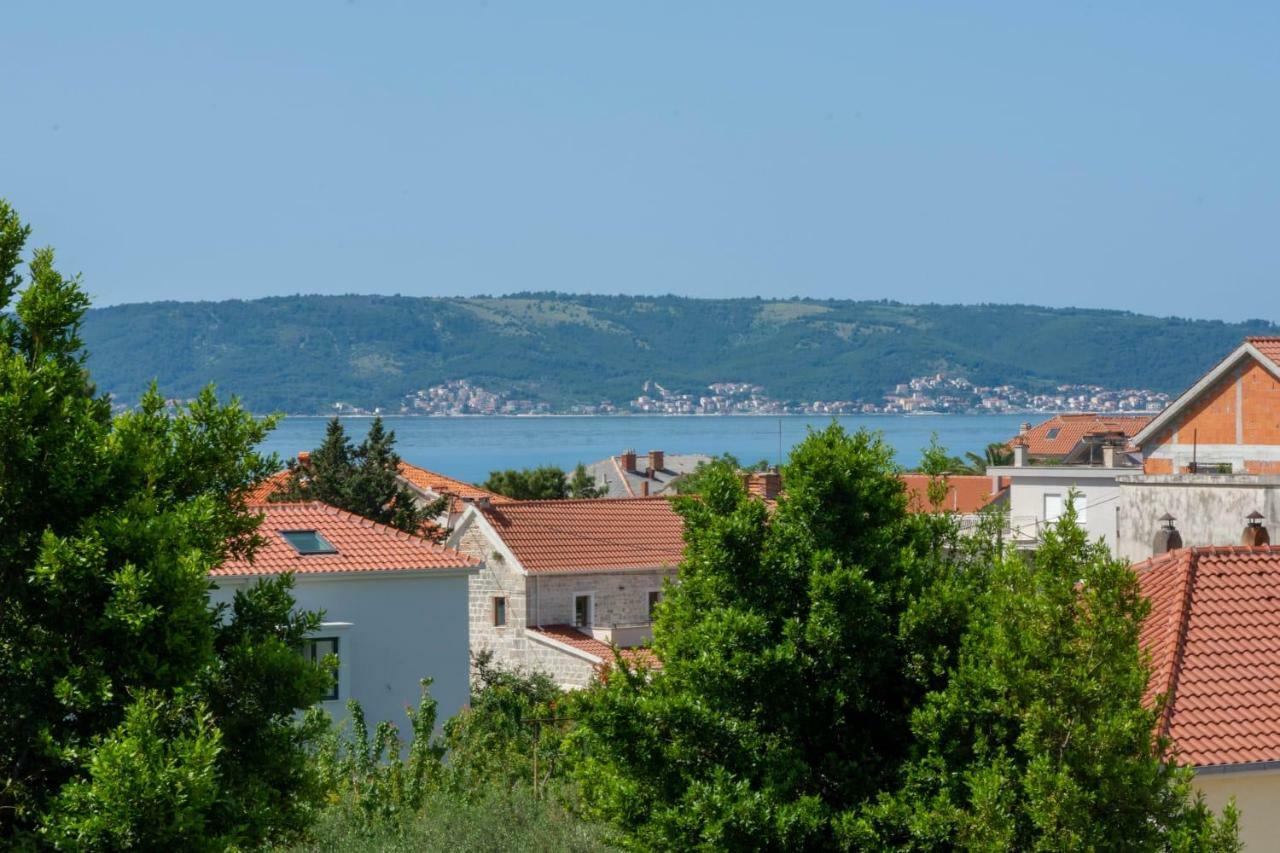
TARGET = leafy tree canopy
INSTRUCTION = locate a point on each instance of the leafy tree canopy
(696, 480)
(132, 710)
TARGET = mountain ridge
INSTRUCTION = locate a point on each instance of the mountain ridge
(301, 354)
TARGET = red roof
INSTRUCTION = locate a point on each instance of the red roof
(1214, 638)
(361, 545)
(1268, 346)
(261, 493)
(590, 535)
(1041, 439)
(439, 484)
(966, 493)
(571, 636)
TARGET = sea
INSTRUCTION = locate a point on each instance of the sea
(468, 448)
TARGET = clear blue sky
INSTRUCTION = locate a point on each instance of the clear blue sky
(1105, 155)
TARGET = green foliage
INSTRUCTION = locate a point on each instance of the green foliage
(544, 483)
(1040, 740)
(696, 480)
(364, 480)
(112, 661)
(568, 349)
(793, 649)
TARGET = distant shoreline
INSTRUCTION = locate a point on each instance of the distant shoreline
(1045, 413)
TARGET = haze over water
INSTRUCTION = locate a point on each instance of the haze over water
(469, 448)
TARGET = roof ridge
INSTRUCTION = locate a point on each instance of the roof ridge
(1177, 653)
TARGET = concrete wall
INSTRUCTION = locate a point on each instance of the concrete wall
(1209, 509)
(392, 632)
(1256, 792)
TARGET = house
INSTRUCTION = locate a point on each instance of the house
(967, 494)
(563, 581)
(630, 476)
(1211, 458)
(395, 604)
(1073, 438)
(1214, 638)
(1080, 454)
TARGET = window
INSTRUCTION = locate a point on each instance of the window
(1053, 507)
(1081, 503)
(308, 542)
(1052, 433)
(499, 610)
(655, 595)
(582, 611)
(316, 650)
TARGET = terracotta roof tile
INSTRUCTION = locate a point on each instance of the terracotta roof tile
(439, 484)
(362, 545)
(1268, 346)
(590, 535)
(571, 636)
(1214, 638)
(966, 493)
(261, 493)
(1042, 440)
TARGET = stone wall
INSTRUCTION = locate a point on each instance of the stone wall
(621, 598)
(1209, 509)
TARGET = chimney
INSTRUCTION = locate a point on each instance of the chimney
(628, 460)
(765, 484)
(1019, 452)
(1254, 532)
(655, 462)
(1024, 428)
(1108, 456)
(304, 458)
(1167, 537)
(644, 488)
(481, 501)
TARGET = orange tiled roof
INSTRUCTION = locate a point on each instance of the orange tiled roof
(590, 535)
(1072, 428)
(571, 636)
(261, 493)
(1214, 638)
(1268, 346)
(966, 493)
(439, 484)
(362, 545)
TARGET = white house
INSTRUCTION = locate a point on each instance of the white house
(564, 581)
(395, 605)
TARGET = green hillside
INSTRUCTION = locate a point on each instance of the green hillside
(299, 354)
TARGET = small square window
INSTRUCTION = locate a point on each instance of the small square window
(1053, 433)
(316, 650)
(308, 542)
(655, 596)
(582, 611)
(499, 610)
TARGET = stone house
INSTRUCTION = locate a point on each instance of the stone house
(1211, 458)
(562, 582)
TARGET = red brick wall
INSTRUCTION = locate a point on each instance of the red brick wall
(1255, 466)
(1211, 419)
(1157, 466)
(1261, 406)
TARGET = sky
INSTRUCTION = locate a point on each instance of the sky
(1111, 155)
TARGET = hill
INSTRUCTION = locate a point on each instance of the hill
(300, 354)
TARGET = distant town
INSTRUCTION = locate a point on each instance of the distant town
(937, 394)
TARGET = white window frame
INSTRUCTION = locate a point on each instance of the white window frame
(1062, 506)
(591, 609)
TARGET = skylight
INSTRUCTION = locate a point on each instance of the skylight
(1053, 433)
(308, 542)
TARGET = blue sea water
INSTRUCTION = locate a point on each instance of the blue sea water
(469, 448)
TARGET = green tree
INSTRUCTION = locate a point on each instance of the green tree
(109, 651)
(544, 483)
(364, 480)
(1041, 739)
(793, 648)
(695, 481)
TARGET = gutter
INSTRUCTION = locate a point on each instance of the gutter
(1245, 767)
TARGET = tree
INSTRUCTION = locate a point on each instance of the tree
(364, 480)
(995, 454)
(112, 668)
(544, 483)
(1041, 739)
(793, 649)
(694, 482)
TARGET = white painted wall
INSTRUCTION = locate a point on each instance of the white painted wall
(394, 629)
(1256, 793)
(1209, 509)
(1030, 485)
